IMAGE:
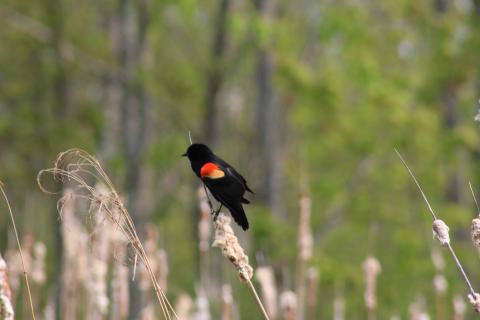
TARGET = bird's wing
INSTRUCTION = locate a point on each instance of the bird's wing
(232, 172)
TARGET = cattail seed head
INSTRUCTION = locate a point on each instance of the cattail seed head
(476, 232)
(440, 232)
(265, 277)
(440, 284)
(372, 268)
(6, 309)
(226, 240)
(459, 307)
(474, 300)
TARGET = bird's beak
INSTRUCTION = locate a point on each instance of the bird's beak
(184, 155)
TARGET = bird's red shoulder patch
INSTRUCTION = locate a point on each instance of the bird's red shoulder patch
(211, 170)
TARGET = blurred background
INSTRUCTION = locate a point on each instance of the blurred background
(307, 99)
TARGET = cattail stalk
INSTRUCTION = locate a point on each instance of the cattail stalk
(227, 302)
(440, 232)
(312, 292)
(305, 243)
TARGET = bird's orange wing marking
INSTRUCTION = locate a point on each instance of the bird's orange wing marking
(211, 170)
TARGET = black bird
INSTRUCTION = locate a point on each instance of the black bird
(225, 184)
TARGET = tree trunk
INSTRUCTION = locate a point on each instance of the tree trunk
(269, 120)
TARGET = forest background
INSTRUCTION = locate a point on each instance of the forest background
(305, 98)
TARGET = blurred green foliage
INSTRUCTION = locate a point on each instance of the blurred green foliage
(358, 79)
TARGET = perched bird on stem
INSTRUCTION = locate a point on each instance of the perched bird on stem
(225, 184)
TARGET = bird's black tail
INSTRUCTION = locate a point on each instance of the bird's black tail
(238, 215)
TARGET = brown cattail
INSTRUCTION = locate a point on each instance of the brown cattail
(305, 239)
(6, 309)
(476, 232)
(265, 277)
(119, 283)
(417, 310)
(437, 259)
(459, 308)
(226, 240)
(474, 300)
(183, 307)
(204, 226)
(338, 307)
(288, 305)
(202, 304)
(440, 284)
(372, 268)
(38, 264)
(227, 302)
(440, 232)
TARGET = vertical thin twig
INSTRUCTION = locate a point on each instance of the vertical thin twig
(474, 198)
(20, 250)
(418, 185)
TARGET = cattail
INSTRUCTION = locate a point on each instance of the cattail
(6, 309)
(437, 259)
(372, 268)
(14, 270)
(148, 312)
(476, 232)
(227, 302)
(265, 277)
(202, 304)
(459, 308)
(288, 305)
(119, 283)
(204, 226)
(305, 239)
(417, 310)
(226, 240)
(440, 232)
(228, 243)
(338, 307)
(474, 300)
(204, 235)
(440, 286)
(183, 307)
(305, 244)
(75, 257)
(38, 263)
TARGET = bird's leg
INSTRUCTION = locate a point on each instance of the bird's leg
(215, 214)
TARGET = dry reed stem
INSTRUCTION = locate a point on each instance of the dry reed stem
(29, 294)
(440, 232)
(78, 167)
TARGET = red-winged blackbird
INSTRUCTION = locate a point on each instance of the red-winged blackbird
(225, 184)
